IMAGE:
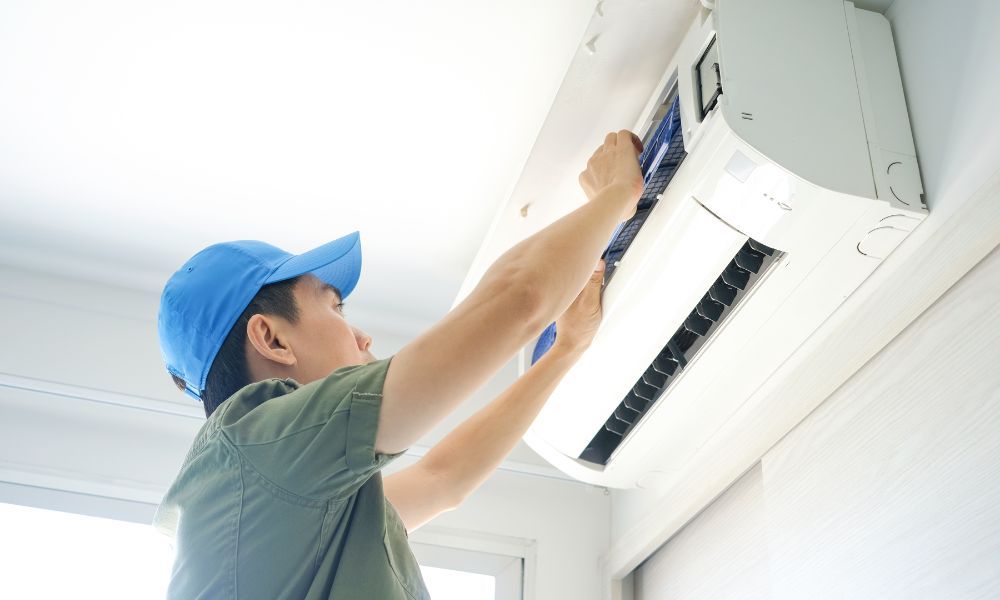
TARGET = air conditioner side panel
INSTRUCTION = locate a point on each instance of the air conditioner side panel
(790, 89)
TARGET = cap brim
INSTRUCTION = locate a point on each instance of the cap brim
(337, 263)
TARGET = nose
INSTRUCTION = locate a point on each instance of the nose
(364, 340)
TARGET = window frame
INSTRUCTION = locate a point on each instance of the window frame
(510, 560)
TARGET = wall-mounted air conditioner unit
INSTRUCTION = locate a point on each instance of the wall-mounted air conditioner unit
(780, 172)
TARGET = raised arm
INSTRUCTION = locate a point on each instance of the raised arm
(465, 458)
(523, 291)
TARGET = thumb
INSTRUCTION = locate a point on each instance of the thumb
(598, 275)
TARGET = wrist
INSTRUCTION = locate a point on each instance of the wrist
(621, 194)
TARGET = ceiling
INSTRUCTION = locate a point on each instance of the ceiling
(133, 134)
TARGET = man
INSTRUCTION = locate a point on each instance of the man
(280, 495)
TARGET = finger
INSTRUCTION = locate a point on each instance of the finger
(623, 137)
(637, 143)
(611, 139)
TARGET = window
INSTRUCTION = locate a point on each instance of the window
(448, 584)
(52, 554)
(460, 567)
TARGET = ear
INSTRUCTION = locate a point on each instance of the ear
(267, 338)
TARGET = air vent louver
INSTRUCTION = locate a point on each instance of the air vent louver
(736, 280)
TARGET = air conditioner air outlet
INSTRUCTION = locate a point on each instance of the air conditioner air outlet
(743, 271)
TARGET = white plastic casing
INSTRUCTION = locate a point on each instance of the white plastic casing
(809, 151)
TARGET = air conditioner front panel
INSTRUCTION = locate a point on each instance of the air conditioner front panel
(784, 311)
(644, 304)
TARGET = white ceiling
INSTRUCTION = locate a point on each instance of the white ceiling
(134, 133)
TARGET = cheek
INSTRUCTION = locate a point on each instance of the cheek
(340, 335)
(326, 333)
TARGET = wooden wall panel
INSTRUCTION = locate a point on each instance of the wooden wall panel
(720, 554)
(890, 489)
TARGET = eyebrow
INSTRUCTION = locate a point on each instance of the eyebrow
(327, 286)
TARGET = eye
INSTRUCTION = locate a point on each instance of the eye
(340, 307)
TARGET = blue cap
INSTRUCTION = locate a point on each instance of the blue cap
(203, 299)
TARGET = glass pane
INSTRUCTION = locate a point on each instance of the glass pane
(50, 554)
(445, 584)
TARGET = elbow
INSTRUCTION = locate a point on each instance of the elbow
(457, 498)
(452, 502)
(451, 490)
(523, 300)
(516, 298)
(527, 304)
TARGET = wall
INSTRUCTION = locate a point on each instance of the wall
(943, 49)
(890, 489)
(722, 553)
(92, 424)
(88, 407)
(565, 525)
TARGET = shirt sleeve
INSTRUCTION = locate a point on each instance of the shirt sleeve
(317, 440)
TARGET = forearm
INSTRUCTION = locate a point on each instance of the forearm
(525, 290)
(556, 261)
(471, 452)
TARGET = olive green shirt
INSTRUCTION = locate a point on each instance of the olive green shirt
(281, 496)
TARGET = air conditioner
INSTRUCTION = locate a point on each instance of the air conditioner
(780, 172)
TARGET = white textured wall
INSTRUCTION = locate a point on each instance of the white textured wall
(567, 521)
(721, 554)
(892, 488)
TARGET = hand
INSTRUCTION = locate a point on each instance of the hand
(578, 325)
(615, 164)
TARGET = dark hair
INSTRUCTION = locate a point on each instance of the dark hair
(229, 372)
